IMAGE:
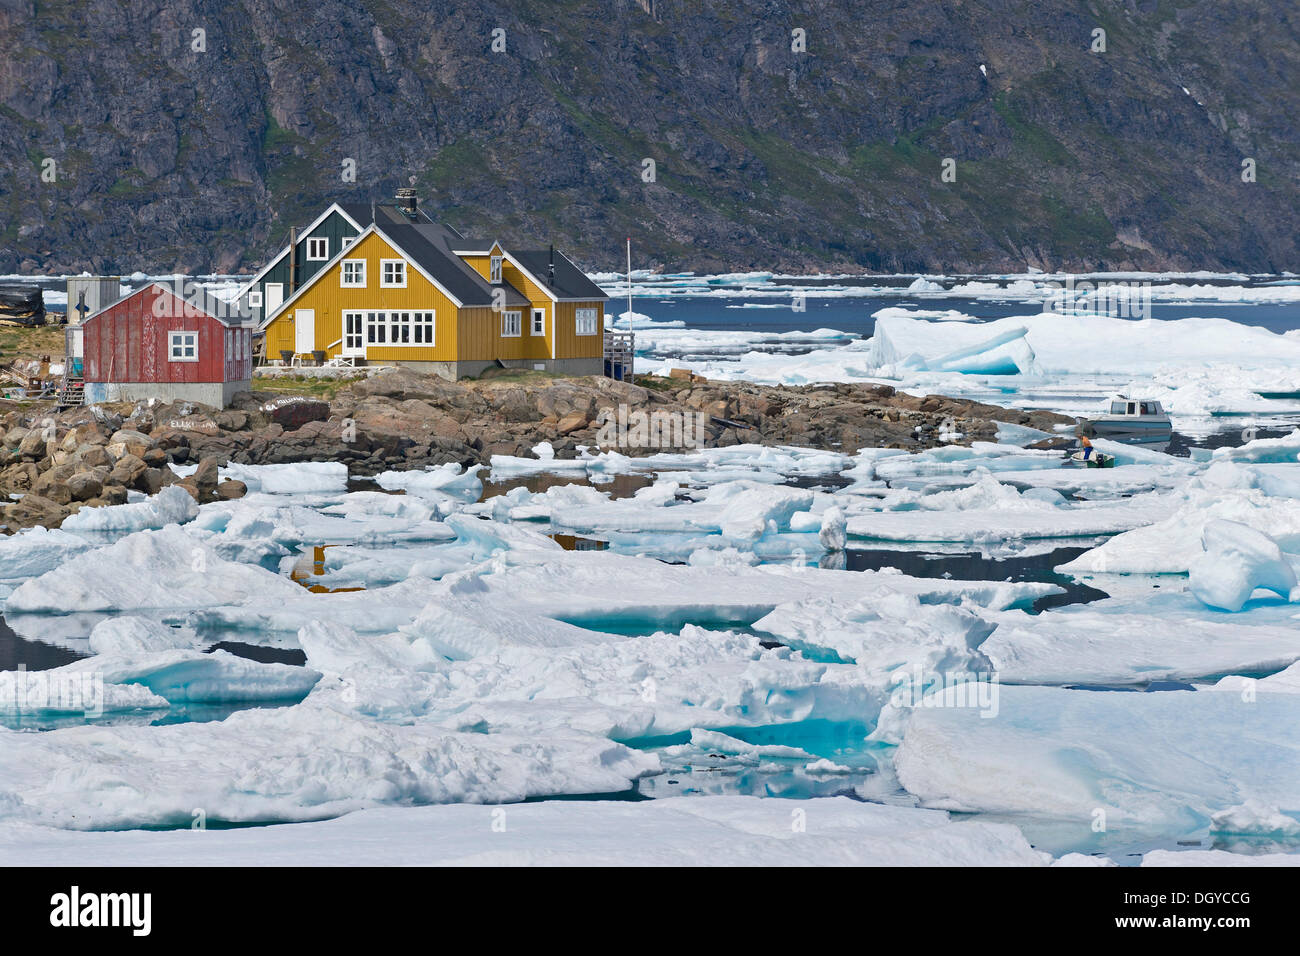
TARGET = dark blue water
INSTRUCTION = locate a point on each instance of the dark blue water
(853, 314)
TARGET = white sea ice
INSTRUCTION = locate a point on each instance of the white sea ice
(306, 477)
(36, 550)
(172, 505)
(1255, 819)
(1167, 760)
(166, 568)
(449, 481)
(1168, 546)
(717, 831)
(1237, 561)
(1087, 644)
(305, 762)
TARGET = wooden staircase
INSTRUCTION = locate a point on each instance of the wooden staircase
(73, 391)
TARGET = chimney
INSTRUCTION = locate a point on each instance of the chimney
(550, 271)
(407, 202)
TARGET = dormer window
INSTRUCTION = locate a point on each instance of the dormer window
(495, 270)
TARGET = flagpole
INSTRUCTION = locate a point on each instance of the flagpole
(631, 358)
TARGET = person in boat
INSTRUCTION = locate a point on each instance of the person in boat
(1086, 444)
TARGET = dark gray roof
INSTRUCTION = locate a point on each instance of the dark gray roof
(570, 281)
(430, 245)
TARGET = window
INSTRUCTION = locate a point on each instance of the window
(348, 240)
(539, 322)
(392, 273)
(361, 329)
(183, 346)
(353, 274)
(230, 345)
(399, 324)
(584, 321)
(1117, 408)
(495, 270)
(422, 328)
(318, 249)
(255, 299)
(510, 322)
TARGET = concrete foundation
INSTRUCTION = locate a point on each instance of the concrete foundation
(452, 371)
(216, 394)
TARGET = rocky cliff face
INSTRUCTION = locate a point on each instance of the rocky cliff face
(177, 150)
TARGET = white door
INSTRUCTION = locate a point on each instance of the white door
(274, 295)
(304, 330)
(354, 333)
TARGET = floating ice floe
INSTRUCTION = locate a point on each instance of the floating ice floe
(172, 505)
(36, 550)
(449, 481)
(1254, 819)
(1165, 760)
(1169, 546)
(1237, 561)
(1087, 644)
(730, 830)
(166, 568)
(304, 762)
(307, 477)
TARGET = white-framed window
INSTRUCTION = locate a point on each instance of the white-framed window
(183, 346)
(494, 270)
(230, 345)
(392, 273)
(539, 322)
(399, 327)
(255, 299)
(584, 322)
(510, 324)
(361, 329)
(318, 248)
(422, 328)
(348, 240)
(352, 274)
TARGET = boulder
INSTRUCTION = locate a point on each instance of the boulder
(230, 489)
(572, 422)
(127, 471)
(292, 413)
(33, 509)
(84, 486)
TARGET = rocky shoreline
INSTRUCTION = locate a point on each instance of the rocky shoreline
(55, 463)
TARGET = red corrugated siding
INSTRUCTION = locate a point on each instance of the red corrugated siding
(128, 343)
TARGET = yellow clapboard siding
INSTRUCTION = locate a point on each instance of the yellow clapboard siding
(571, 345)
(330, 301)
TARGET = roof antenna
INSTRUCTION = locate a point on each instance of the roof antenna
(550, 272)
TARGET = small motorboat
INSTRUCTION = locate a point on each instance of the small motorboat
(1143, 419)
(1096, 460)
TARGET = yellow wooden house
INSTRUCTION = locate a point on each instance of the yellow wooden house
(413, 292)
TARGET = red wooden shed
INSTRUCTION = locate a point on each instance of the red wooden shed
(167, 343)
